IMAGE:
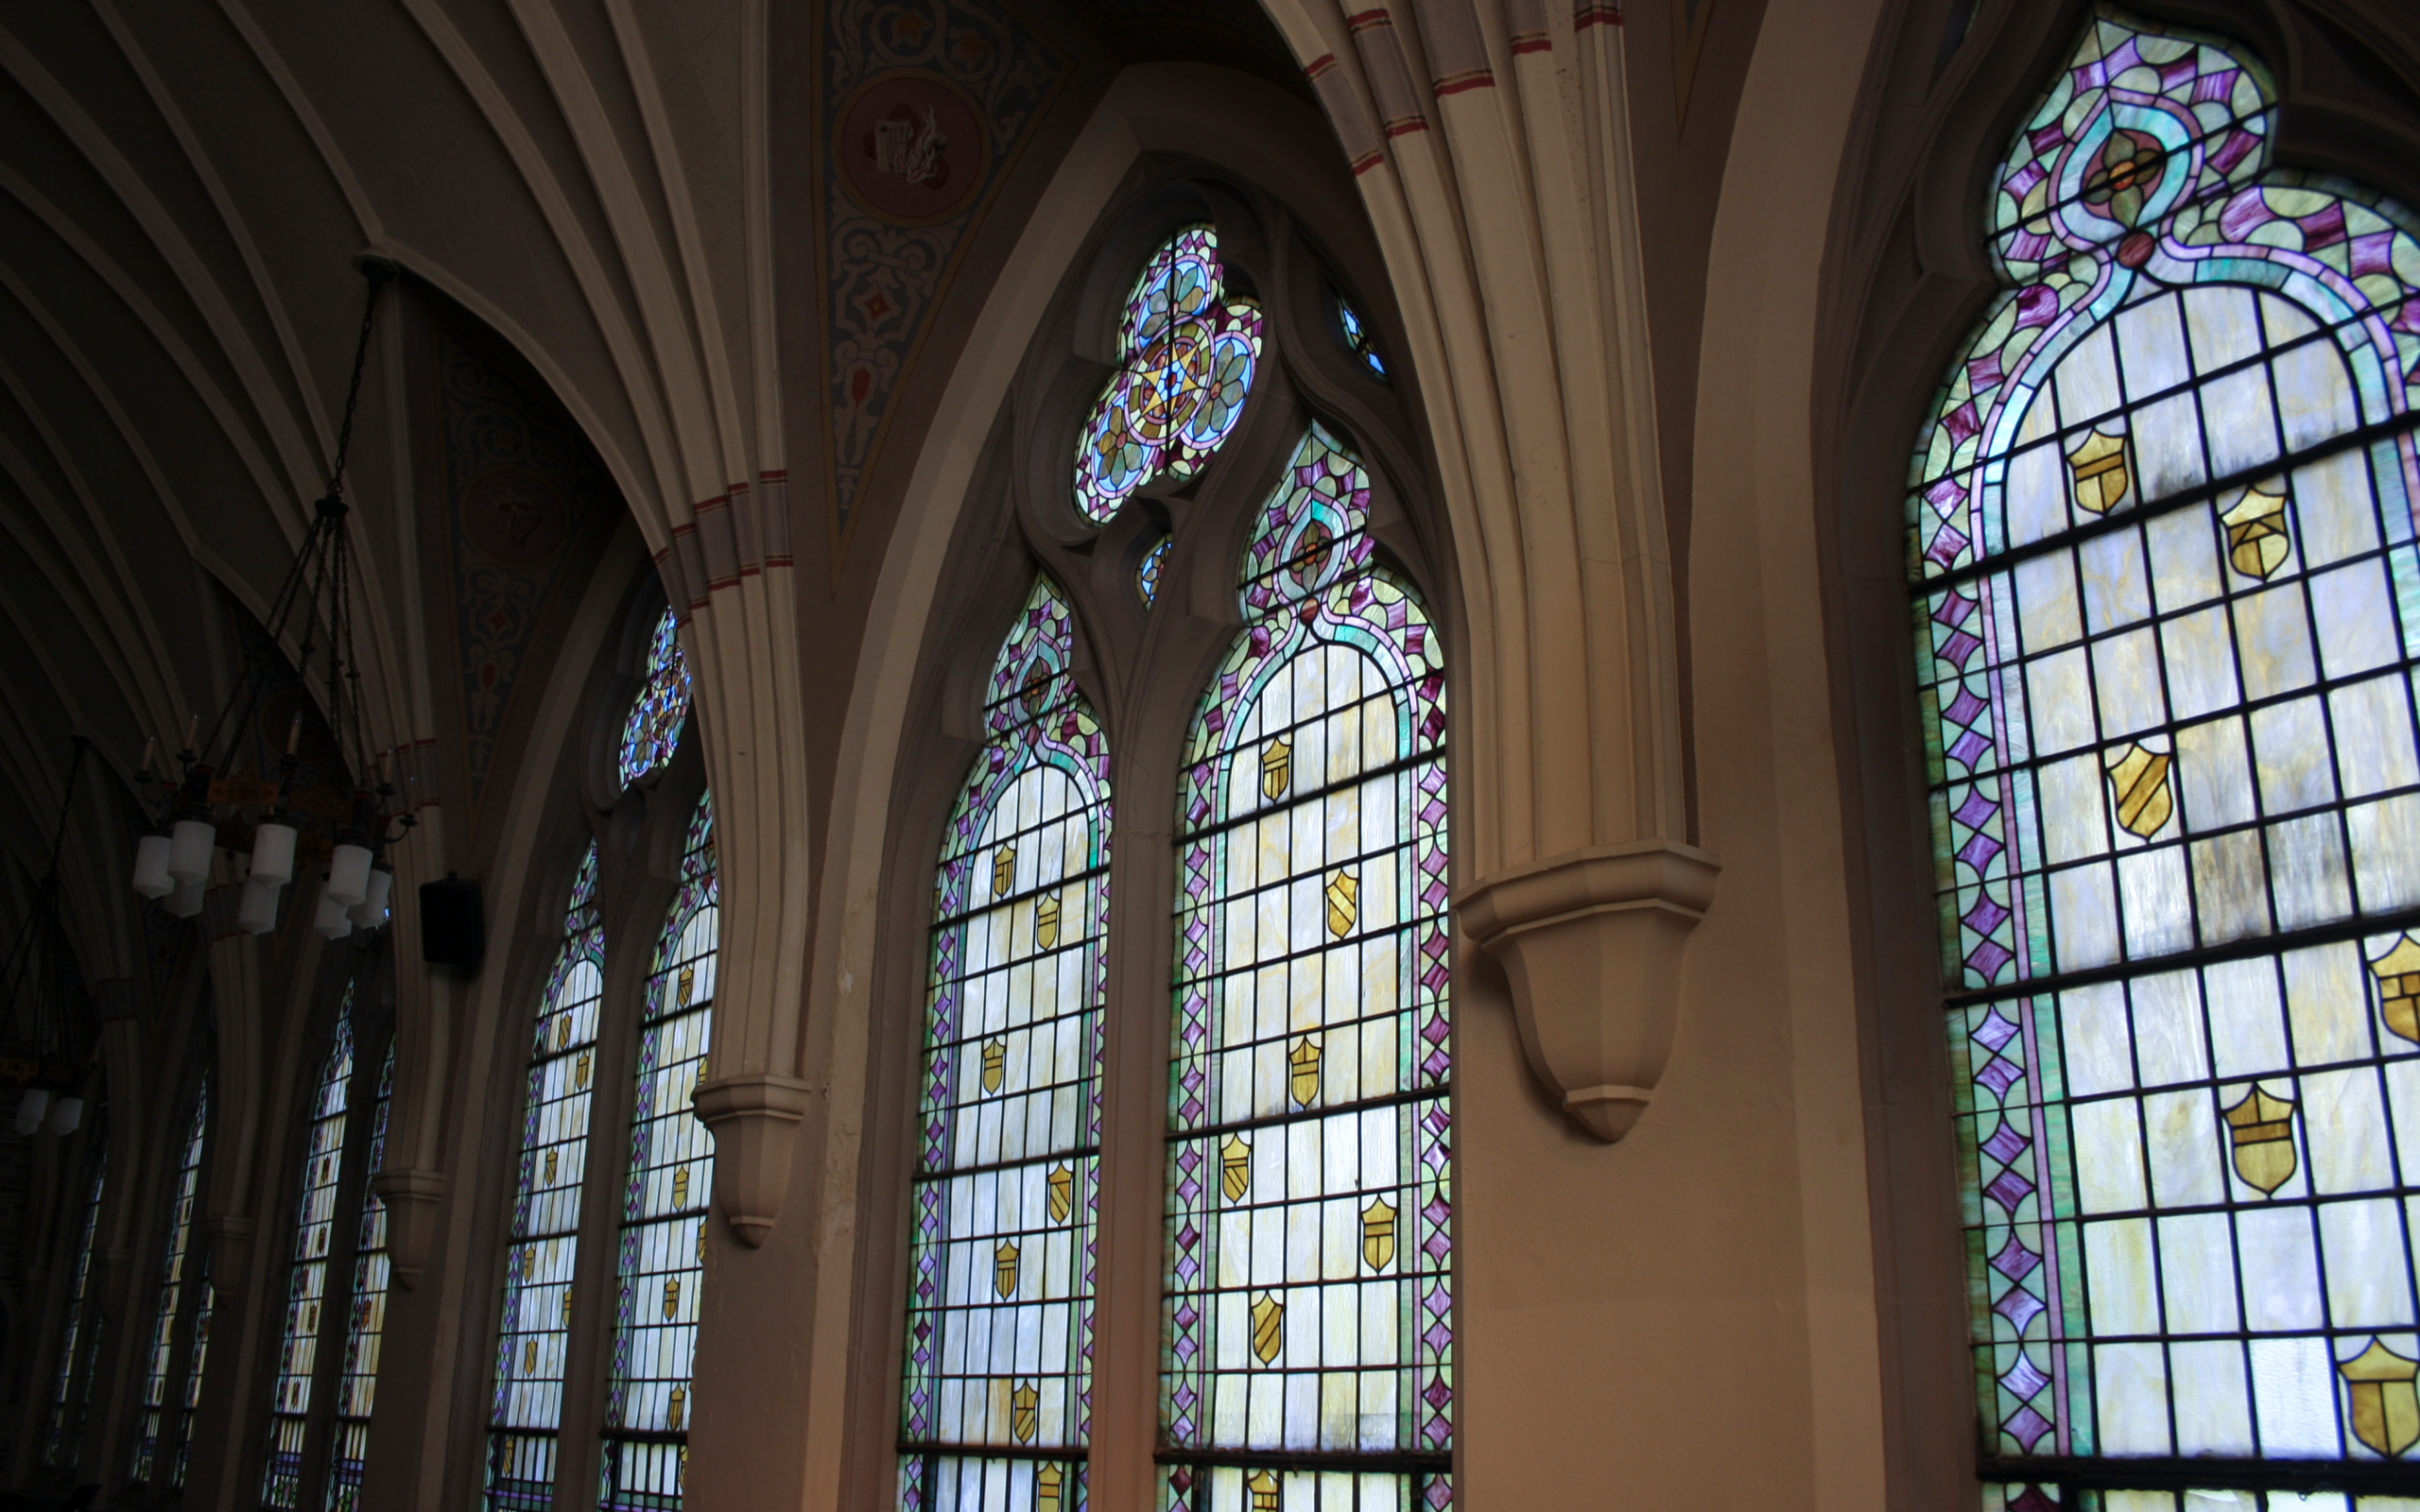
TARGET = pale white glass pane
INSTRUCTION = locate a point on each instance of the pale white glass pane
(2373, 748)
(2314, 398)
(2222, 326)
(2048, 615)
(2037, 500)
(2085, 914)
(2284, 320)
(2118, 1258)
(2307, 871)
(2200, 661)
(2305, 1501)
(2369, 1278)
(2133, 1397)
(2075, 822)
(2116, 581)
(2141, 1502)
(2150, 347)
(2183, 560)
(2197, 1273)
(2327, 1005)
(2108, 1155)
(2279, 1266)
(2334, 509)
(2061, 696)
(2126, 676)
(2355, 613)
(2295, 1391)
(2215, 775)
(2183, 1131)
(2345, 1127)
(2168, 1028)
(2158, 916)
(2290, 741)
(2213, 1414)
(2386, 851)
(2236, 419)
(2167, 446)
(2098, 1053)
(2274, 642)
(2230, 887)
(2087, 379)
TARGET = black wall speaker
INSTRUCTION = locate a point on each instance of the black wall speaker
(452, 933)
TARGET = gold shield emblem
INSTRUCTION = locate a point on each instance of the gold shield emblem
(671, 1298)
(2138, 781)
(1377, 1233)
(995, 1064)
(1047, 1486)
(550, 1168)
(2261, 1128)
(1235, 1167)
(1025, 1412)
(2257, 542)
(529, 1358)
(1061, 1183)
(677, 1412)
(580, 1068)
(688, 985)
(1303, 1070)
(566, 1306)
(2099, 470)
(2398, 975)
(2386, 1408)
(1268, 1327)
(1343, 903)
(1263, 1487)
(1004, 1268)
(1276, 768)
(1046, 923)
(680, 1187)
(1004, 868)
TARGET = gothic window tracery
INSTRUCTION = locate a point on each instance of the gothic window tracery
(651, 731)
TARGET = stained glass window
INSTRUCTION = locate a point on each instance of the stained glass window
(526, 1415)
(995, 1413)
(366, 1323)
(1310, 1198)
(1147, 572)
(1186, 351)
(190, 1399)
(2167, 601)
(662, 1261)
(652, 730)
(1358, 340)
(172, 1291)
(306, 1285)
(59, 1436)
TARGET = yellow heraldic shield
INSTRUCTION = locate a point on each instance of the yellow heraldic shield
(1235, 1167)
(1377, 1233)
(2261, 1128)
(2398, 975)
(677, 1410)
(688, 985)
(2098, 468)
(1025, 1412)
(1047, 1486)
(1004, 868)
(2386, 1407)
(1061, 1185)
(1004, 1268)
(1268, 1327)
(1276, 768)
(1343, 903)
(1303, 1070)
(1263, 1487)
(1046, 923)
(2138, 782)
(671, 1298)
(995, 1064)
(680, 1187)
(2257, 541)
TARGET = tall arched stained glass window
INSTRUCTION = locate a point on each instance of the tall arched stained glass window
(526, 1415)
(190, 1399)
(653, 729)
(1309, 1321)
(995, 1413)
(2167, 601)
(170, 1306)
(1186, 350)
(306, 1285)
(671, 1185)
(75, 1331)
(365, 1324)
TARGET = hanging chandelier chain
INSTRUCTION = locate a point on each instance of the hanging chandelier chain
(377, 273)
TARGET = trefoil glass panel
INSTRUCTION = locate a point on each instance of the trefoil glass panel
(996, 1412)
(662, 1261)
(1308, 1322)
(366, 1323)
(1186, 352)
(653, 729)
(525, 1415)
(307, 1285)
(172, 1292)
(2167, 607)
(60, 1432)
(1355, 333)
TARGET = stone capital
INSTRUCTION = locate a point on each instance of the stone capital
(1591, 941)
(411, 1198)
(754, 1118)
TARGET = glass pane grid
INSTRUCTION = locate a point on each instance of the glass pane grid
(366, 1323)
(191, 1399)
(59, 1436)
(307, 1279)
(172, 1293)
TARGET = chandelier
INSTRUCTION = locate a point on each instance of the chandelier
(47, 1037)
(341, 814)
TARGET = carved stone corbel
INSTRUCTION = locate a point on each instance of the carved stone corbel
(753, 1118)
(412, 1196)
(1591, 941)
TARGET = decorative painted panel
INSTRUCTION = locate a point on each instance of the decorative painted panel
(2168, 606)
(525, 1415)
(306, 1283)
(1005, 1199)
(1309, 1316)
(667, 1202)
(170, 1305)
(364, 1322)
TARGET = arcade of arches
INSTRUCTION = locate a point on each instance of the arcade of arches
(1210, 755)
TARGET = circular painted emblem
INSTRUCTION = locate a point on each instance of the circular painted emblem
(513, 516)
(911, 148)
